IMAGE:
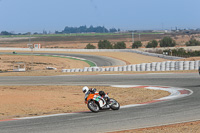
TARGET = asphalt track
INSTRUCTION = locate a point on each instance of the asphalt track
(168, 112)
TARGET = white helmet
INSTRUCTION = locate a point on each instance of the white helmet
(85, 89)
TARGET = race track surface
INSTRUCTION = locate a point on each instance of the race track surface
(179, 110)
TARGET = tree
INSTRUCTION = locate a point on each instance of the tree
(113, 30)
(85, 29)
(192, 42)
(137, 44)
(6, 33)
(152, 44)
(167, 42)
(120, 45)
(90, 46)
(105, 44)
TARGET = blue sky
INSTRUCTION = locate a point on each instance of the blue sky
(51, 15)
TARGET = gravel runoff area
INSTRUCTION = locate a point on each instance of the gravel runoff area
(188, 127)
(26, 101)
(7, 62)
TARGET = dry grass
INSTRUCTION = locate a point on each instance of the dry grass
(21, 101)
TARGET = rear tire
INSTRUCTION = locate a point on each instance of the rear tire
(93, 106)
(114, 104)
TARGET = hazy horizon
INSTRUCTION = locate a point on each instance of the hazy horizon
(50, 15)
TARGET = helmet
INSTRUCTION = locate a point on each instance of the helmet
(85, 89)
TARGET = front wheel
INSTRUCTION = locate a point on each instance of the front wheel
(114, 105)
(93, 106)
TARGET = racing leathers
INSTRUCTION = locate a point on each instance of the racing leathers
(101, 93)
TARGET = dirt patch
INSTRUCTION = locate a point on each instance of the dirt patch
(21, 101)
(39, 62)
(190, 59)
(189, 127)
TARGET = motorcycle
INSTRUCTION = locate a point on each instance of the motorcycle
(95, 103)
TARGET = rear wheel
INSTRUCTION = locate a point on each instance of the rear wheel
(114, 105)
(93, 106)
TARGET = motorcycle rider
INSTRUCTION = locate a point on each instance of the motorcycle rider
(88, 91)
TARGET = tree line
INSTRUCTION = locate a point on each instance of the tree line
(85, 29)
(164, 42)
(67, 30)
(181, 52)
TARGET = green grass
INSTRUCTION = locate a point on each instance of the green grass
(87, 61)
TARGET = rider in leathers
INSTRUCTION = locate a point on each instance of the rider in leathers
(88, 91)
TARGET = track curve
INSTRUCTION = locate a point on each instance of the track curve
(98, 60)
(180, 110)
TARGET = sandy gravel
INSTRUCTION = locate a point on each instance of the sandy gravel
(129, 58)
(188, 127)
(39, 62)
(21, 101)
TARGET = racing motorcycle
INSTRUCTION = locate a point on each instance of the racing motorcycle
(95, 103)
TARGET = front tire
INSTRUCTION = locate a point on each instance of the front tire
(93, 106)
(114, 104)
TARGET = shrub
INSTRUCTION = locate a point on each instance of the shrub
(120, 45)
(192, 42)
(90, 46)
(152, 44)
(137, 44)
(167, 42)
(105, 44)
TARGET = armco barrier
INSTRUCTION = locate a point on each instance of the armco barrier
(154, 66)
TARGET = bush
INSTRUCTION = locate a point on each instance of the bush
(181, 52)
(105, 44)
(90, 46)
(167, 42)
(192, 42)
(120, 45)
(152, 44)
(137, 44)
